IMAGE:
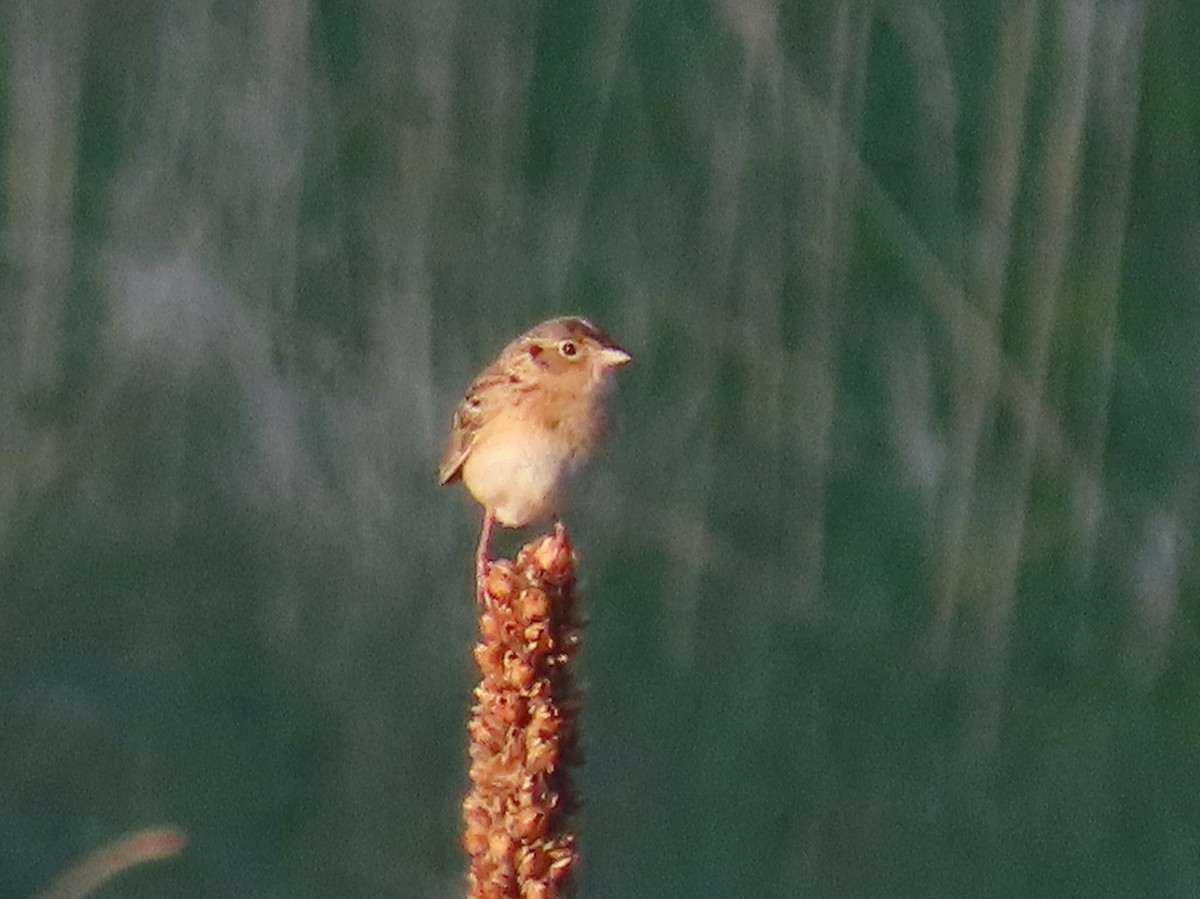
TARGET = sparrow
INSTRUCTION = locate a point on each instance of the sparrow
(530, 420)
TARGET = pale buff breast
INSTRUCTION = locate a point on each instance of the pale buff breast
(520, 473)
(518, 479)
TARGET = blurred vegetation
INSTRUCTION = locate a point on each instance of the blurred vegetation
(892, 576)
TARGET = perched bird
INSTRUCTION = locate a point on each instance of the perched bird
(528, 421)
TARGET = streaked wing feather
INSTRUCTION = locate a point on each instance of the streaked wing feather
(470, 414)
(457, 447)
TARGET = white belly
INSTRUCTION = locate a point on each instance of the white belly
(518, 479)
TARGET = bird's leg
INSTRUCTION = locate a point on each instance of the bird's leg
(481, 553)
(560, 533)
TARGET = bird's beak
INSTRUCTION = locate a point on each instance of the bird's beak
(612, 356)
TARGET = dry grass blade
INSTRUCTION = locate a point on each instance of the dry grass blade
(94, 870)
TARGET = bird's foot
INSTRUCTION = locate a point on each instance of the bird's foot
(560, 533)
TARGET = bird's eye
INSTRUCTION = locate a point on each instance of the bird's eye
(568, 348)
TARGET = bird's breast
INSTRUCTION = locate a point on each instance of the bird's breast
(518, 463)
(517, 475)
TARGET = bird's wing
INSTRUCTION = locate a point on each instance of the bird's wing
(458, 445)
(468, 417)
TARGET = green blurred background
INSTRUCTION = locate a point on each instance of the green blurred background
(891, 576)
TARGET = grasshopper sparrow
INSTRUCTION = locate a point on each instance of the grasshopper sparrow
(529, 420)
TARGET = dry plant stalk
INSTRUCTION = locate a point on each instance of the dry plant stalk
(95, 869)
(523, 727)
